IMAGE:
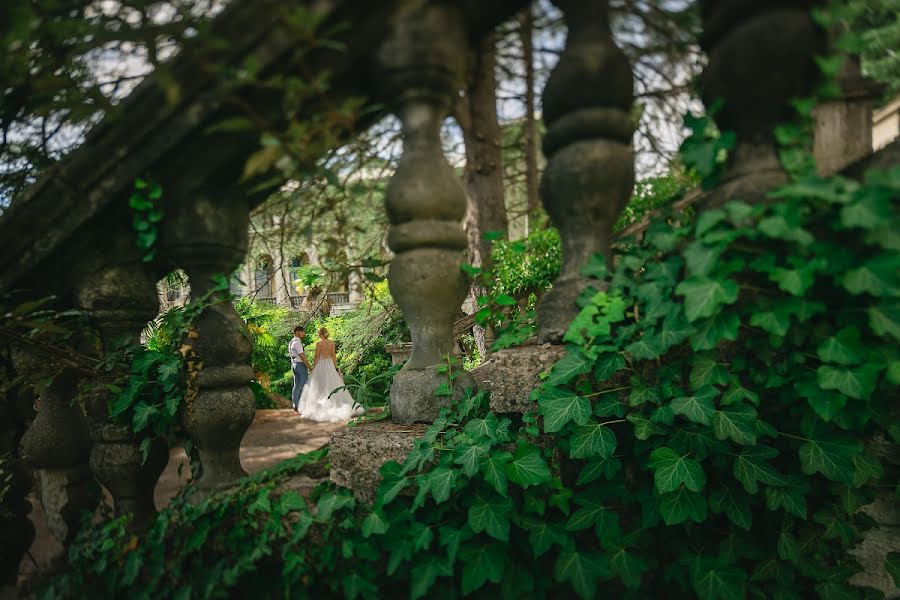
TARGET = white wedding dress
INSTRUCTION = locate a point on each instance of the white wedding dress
(318, 403)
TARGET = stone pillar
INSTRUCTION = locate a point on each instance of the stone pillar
(121, 299)
(843, 132)
(590, 169)
(207, 236)
(58, 445)
(420, 71)
(761, 56)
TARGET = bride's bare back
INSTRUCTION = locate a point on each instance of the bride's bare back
(325, 349)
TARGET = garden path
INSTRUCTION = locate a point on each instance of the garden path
(274, 435)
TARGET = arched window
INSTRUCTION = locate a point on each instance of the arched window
(265, 277)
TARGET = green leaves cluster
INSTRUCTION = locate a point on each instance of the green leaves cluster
(143, 202)
(703, 436)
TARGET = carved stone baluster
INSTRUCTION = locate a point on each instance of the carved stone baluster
(58, 445)
(121, 300)
(761, 56)
(207, 237)
(590, 168)
(420, 69)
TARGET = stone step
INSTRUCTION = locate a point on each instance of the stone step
(358, 453)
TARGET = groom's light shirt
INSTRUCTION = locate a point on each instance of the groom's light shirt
(295, 349)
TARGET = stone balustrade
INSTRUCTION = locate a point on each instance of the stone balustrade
(415, 67)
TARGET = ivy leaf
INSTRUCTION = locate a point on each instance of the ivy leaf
(641, 394)
(737, 422)
(671, 470)
(468, 455)
(751, 467)
(559, 406)
(605, 467)
(142, 413)
(441, 482)
(877, 277)
(493, 467)
(844, 348)
(643, 428)
(374, 524)
(291, 501)
(608, 366)
(774, 322)
(699, 407)
(628, 567)
(885, 320)
(778, 227)
(834, 460)
(392, 483)
(701, 258)
(527, 467)
(681, 505)
(482, 563)
(857, 383)
(707, 220)
(725, 500)
(490, 513)
(719, 583)
(723, 326)
(581, 569)
(790, 498)
(571, 365)
(704, 296)
(542, 535)
(646, 348)
(867, 212)
(425, 573)
(592, 440)
(737, 392)
(593, 513)
(706, 371)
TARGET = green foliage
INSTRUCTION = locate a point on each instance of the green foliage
(146, 215)
(270, 329)
(732, 470)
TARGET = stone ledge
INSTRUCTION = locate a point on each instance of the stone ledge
(358, 453)
(511, 374)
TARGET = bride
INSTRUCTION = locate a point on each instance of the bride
(319, 401)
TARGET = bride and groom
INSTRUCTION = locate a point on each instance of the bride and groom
(316, 399)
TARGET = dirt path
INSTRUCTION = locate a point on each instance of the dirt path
(273, 436)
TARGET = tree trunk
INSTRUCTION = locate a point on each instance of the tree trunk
(526, 21)
(483, 173)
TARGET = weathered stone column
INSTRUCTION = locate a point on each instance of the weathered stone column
(420, 69)
(58, 445)
(207, 237)
(590, 169)
(843, 131)
(121, 299)
(761, 56)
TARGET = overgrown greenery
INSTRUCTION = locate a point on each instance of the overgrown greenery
(704, 435)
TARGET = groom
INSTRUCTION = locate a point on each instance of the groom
(299, 365)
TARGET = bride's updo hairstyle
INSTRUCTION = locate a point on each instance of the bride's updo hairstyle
(323, 333)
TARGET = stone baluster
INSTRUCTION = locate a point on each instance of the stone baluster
(420, 69)
(590, 161)
(207, 237)
(761, 56)
(58, 443)
(121, 299)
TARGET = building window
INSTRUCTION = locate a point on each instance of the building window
(265, 277)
